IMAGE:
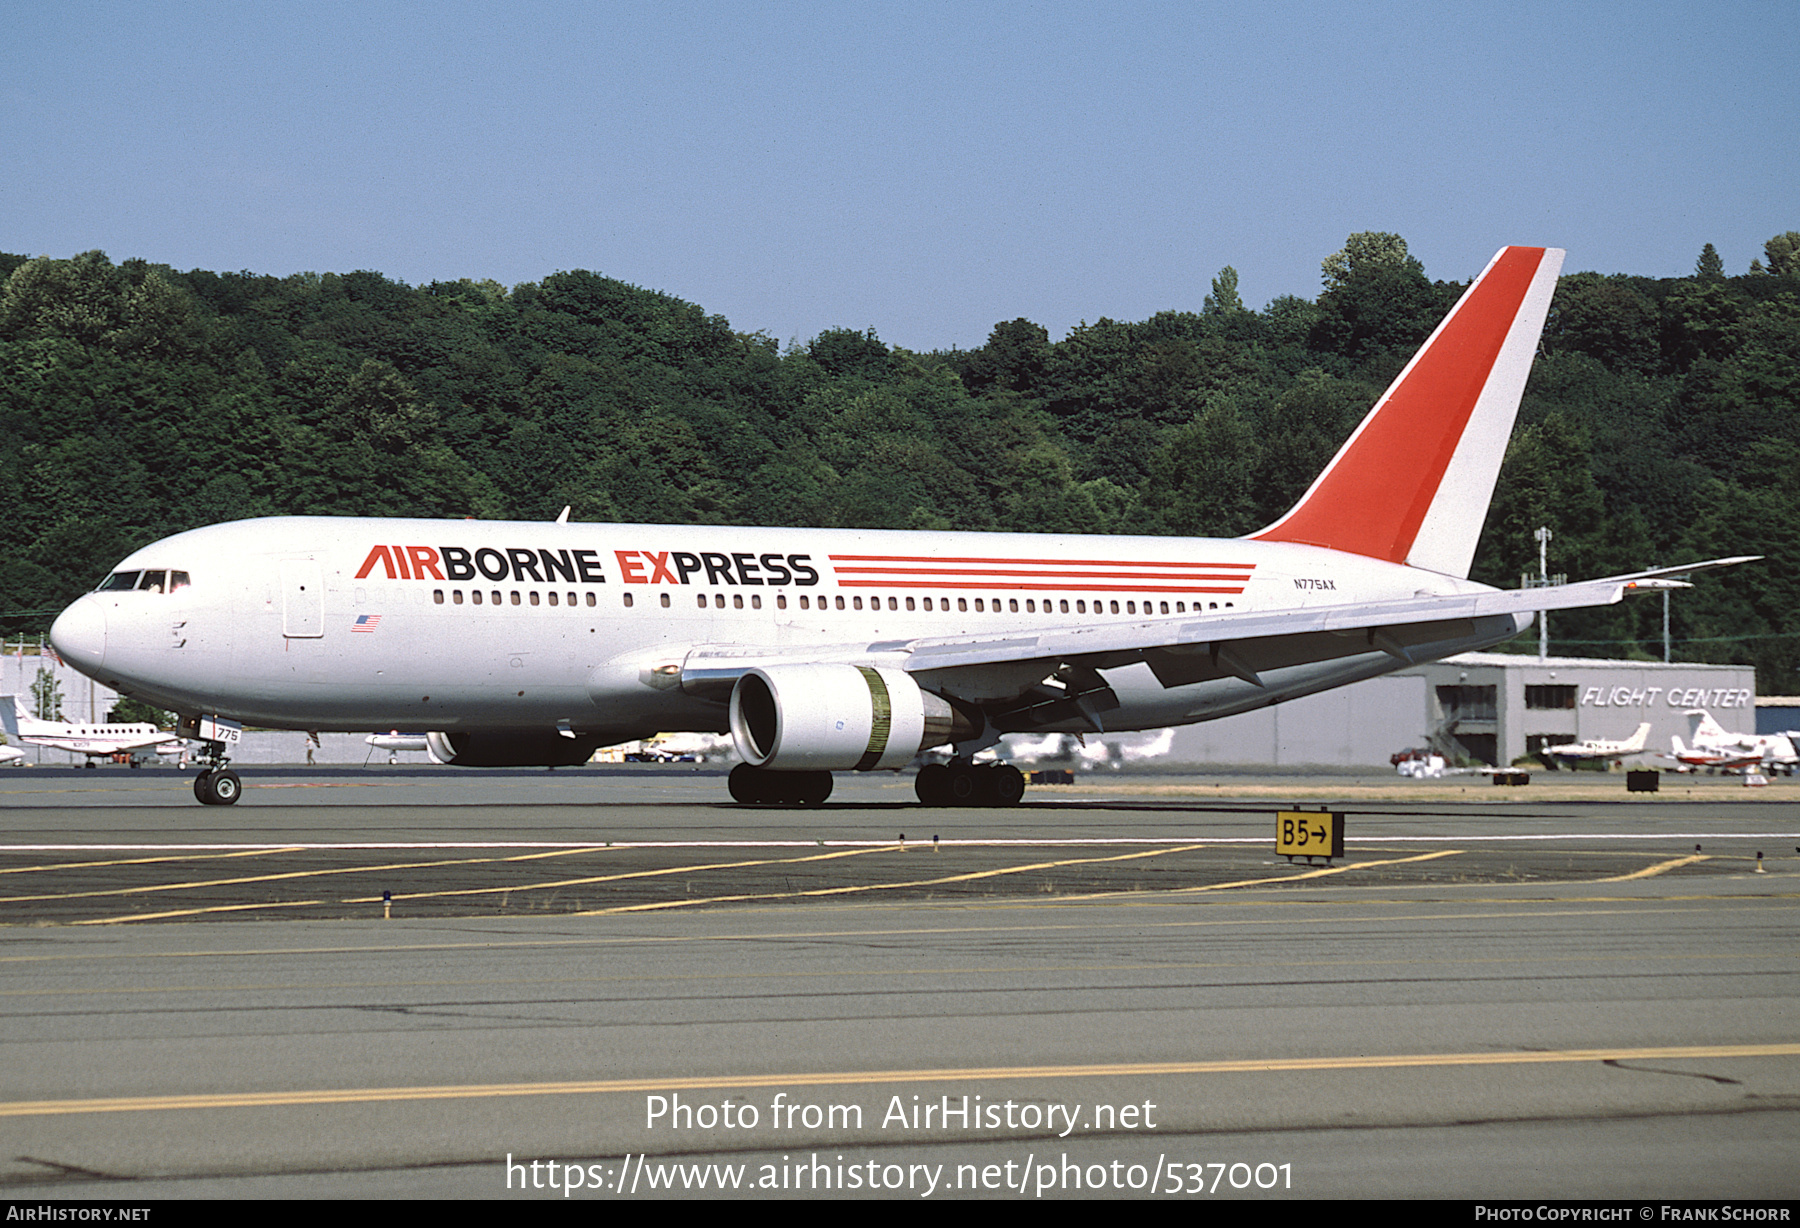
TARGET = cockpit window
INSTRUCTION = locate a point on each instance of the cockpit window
(144, 581)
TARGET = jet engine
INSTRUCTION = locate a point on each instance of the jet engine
(511, 748)
(838, 718)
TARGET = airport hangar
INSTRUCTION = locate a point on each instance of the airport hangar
(1486, 707)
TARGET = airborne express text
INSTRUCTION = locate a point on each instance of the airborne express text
(583, 566)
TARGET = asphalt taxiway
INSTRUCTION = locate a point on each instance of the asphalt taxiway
(387, 984)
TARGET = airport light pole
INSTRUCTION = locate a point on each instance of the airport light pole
(1543, 541)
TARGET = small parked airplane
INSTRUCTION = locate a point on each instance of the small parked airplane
(1601, 748)
(93, 741)
(1712, 746)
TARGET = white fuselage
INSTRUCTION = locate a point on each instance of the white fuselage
(364, 624)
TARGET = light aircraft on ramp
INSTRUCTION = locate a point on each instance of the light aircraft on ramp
(1602, 748)
(829, 650)
(92, 741)
(1712, 746)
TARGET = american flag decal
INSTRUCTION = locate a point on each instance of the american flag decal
(1053, 575)
(366, 622)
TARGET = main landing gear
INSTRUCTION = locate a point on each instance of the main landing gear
(961, 783)
(760, 786)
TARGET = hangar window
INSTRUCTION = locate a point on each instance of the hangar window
(1467, 703)
(1544, 698)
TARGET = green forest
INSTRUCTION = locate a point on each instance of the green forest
(1661, 424)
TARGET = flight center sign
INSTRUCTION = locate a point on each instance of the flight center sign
(1675, 697)
(520, 565)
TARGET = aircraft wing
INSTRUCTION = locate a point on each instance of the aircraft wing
(1103, 644)
(1185, 648)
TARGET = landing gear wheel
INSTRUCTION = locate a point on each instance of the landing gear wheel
(218, 788)
(965, 785)
(754, 786)
(226, 788)
(932, 785)
(1006, 784)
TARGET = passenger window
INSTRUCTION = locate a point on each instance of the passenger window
(475, 596)
(909, 603)
(840, 603)
(515, 597)
(627, 600)
(552, 598)
(591, 600)
(456, 596)
(665, 601)
(781, 601)
(534, 597)
(437, 595)
(755, 602)
(737, 599)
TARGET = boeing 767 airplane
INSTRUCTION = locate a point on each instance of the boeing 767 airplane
(827, 650)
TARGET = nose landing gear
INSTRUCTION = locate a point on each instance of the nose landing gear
(217, 787)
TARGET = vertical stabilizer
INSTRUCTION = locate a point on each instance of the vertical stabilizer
(1412, 483)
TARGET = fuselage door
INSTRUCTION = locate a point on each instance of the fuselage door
(302, 599)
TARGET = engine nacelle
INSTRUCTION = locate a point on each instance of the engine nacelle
(837, 718)
(511, 748)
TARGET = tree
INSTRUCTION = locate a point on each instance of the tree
(1709, 267)
(46, 695)
(1364, 252)
(1783, 252)
(1224, 297)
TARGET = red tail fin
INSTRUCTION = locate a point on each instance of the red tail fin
(1412, 483)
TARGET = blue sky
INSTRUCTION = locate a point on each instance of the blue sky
(924, 169)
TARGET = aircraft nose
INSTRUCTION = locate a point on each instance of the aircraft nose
(79, 634)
